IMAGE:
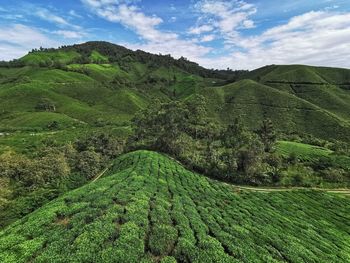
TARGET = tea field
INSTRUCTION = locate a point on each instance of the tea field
(304, 152)
(148, 208)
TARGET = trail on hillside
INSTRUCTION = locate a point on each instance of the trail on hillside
(344, 191)
(100, 174)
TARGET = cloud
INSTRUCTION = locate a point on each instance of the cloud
(74, 14)
(314, 38)
(177, 48)
(207, 38)
(226, 16)
(17, 39)
(146, 27)
(70, 34)
(47, 15)
(200, 29)
(131, 17)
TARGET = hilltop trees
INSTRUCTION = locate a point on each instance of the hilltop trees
(183, 130)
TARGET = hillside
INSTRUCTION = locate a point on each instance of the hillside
(327, 88)
(98, 84)
(92, 84)
(255, 101)
(151, 209)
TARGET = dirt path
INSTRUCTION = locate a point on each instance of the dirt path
(100, 174)
(342, 191)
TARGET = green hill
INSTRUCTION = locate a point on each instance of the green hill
(99, 83)
(255, 101)
(151, 209)
(95, 83)
(327, 88)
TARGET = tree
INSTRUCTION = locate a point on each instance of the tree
(88, 163)
(267, 135)
(105, 144)
(45, 104)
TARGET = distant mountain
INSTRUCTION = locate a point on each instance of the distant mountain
(99, 83)
(151, 209)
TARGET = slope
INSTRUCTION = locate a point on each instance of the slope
(290, 113)
(328, 88)
(78, 97)
(150, 209)
(94, 83)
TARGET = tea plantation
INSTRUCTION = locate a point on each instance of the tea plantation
(151, 209)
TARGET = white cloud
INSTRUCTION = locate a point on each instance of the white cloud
(207, 38)
(47, 15)
(315, 38)
(200, 29)
(226, 16)
(177, 48)
(74, 14)
(17, 39)
(146, 26)
(248, 23)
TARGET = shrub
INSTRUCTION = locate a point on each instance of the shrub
(162, 239)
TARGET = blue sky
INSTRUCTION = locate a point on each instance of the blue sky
(240, 34)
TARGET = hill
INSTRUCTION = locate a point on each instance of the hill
(99, 84)
(256, 101)
(94, 84)
(151, 209)
(327, 88)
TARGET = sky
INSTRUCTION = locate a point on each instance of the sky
(236, 34)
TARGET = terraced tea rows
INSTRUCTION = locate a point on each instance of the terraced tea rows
(151, 209)
(304, 152)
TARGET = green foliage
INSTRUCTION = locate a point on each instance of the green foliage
(96, 57)
(27, 183)
(151, 209)
(162, 240)
(267, 135)
(304, 152)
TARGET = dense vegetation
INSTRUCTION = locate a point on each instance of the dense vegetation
(232, 152)
(151, 209)
(27, 182)
(99, 84)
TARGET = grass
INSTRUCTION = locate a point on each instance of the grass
(96, 57)
(313, 154)
(78, 97)
(254, 102)
(30, 142)
(304, 152)
(49, 57)
(297, 98)
(148, 208)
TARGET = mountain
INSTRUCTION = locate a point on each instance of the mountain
(98, 83)
(149, 208)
